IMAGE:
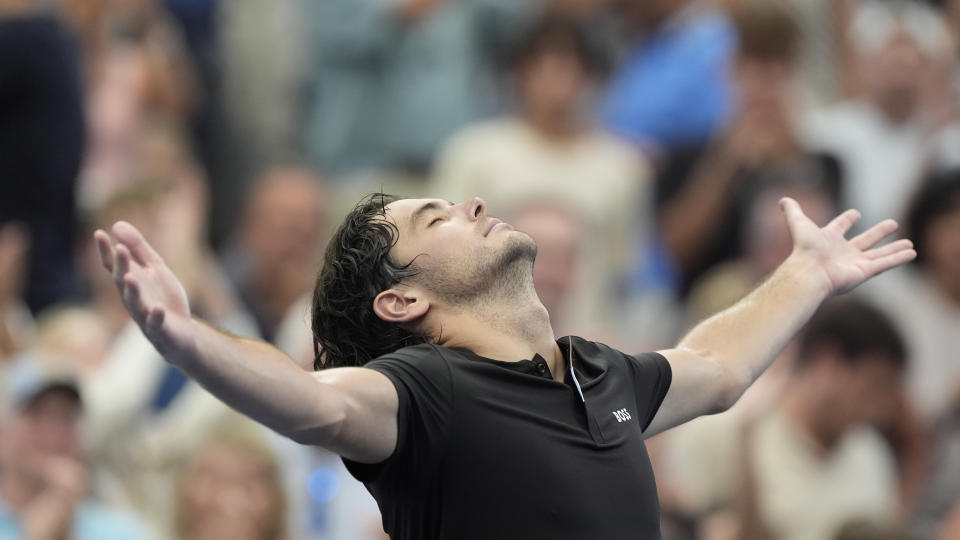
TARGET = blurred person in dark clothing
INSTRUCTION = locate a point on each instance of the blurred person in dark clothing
(41, 143)
(702, 192)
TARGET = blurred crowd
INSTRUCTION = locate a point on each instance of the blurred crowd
(642, 143)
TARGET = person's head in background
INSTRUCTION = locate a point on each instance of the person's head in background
(645, 15)
(230, 489)
(559, 235)
(765, 236)
(764, 75)
(768, 42)
(933, 222)
(848, 371)
(895, 45)
(282, 235)
(554, 65)
(40, 438)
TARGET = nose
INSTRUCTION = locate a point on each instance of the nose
(476, 208)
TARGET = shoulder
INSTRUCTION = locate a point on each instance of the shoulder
(601, 354)
(417, 366)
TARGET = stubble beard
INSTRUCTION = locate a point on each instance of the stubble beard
(474, 283)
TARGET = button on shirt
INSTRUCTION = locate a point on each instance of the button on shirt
(490, 449)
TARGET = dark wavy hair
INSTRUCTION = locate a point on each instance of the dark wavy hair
(356, 268)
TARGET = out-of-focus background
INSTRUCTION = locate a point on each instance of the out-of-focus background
(642, 143)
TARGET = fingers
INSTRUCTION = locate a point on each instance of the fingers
(105, 248)
(882, 264)
(121, 265)
(871, 236)
(844, 221)
(129, 236)
(889, 249)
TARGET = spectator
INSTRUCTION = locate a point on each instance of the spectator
(890, 135)
(815, 459)
(703, 192)
(43, 481)
(279, 244)
(394, 79)
(230, 489)
(41, 142)
(550, 153)
(925, 299)
(671, 89)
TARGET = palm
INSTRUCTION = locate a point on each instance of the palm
(151, 293)
(846, 263)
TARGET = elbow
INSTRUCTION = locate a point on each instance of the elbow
(732, 387)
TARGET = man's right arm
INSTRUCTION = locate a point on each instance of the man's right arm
(351, 411)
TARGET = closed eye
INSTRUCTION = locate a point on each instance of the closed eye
(434, 221)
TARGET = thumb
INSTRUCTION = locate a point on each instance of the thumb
(793, 214)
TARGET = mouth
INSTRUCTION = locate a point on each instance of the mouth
(493, 223)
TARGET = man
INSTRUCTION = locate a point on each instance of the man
(43, 481)
(816, 457)
(468, 419)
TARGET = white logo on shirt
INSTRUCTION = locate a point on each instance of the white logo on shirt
(622, 415)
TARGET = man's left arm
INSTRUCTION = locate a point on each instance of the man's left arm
(720, 358)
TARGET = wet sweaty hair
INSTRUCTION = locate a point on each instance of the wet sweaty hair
(356, 268)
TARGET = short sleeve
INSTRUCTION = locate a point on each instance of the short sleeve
(422, 379)
(651, 379)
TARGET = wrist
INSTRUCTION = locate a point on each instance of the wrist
(810, 276)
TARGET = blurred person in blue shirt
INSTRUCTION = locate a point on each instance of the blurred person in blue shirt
(672, 89)
(43, 480)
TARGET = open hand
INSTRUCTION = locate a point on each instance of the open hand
(845, 263)
(152, 294)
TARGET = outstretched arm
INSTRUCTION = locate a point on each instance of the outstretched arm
(351, 411)
(720, 358)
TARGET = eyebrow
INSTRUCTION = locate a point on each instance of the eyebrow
(419, 212)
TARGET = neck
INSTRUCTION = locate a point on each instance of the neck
(553, 127)
(509, 324)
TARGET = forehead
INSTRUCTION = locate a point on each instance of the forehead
(403, 211)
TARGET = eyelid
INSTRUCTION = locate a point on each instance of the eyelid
(434, 220)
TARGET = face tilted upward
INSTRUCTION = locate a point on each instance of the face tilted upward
(460, 252)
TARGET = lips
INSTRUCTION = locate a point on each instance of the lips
(493, 223)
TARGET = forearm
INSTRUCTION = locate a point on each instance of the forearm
(259, 381)
(745, 339)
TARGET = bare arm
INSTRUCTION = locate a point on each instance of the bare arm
(720, 358)
(350, 411)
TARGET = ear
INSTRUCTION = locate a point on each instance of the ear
(400, 306)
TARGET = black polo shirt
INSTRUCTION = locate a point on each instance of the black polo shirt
(492, 450)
